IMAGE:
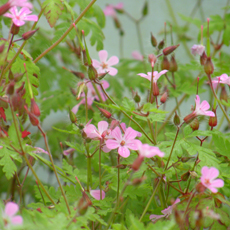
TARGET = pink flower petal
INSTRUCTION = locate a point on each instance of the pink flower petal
(106, 149)
(96, 194)
(96, 63)
(123, 151)
(112, 71)
(116, 133)
(23, 11)
(130, 134)
(119, 6)
(155, 217)
(11, 209)
(213, 173)
(145, 76)
(18, 22)
(103, 55)
(31, 18)
(137, 55)
(112, 144)
(102, 126)
(16, 220)
(113, 60)
(132, 144)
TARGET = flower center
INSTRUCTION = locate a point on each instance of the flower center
(122, 143)
(104, 65)
(207, 181)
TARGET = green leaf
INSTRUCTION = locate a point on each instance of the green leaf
(222, 144)
(9, 168)
(60, 30)
(128, 104)
(226, 35)
(194, 21)
(52, 10)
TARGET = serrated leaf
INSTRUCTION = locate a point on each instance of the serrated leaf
(128, 104)
(9, 168)
(60, 30)
(52, 11)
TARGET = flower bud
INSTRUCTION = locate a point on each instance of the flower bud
(213, 120)
(164, 97)
(155, 89)
(137, 181)
(18, 77)
(152, 59)
(153, 41)
(194, 124)
(29, 34)
(4, 8)
(168, 50)
(92, 73)
(176, 119)
(145, 9)
(200, 188)
(33, 119)
(208, 66)
(193, 174)
(137, 163)
(102, 75)
(85, 60)
(78, 74)
(203, 58)
(104, 112)
(3, 103)
(185, 176)
(72, 117)
(223, 94)
(2, 47)
(165, 63)
(10, 89)
(34, 108)
(161, 44)
(121, 166)
(116, 22)
(14, 29)
(173, 64)
(185, 159)
(31, 160)
(137, 98)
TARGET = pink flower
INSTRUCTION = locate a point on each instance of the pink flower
(224, 79)
(92, 132)
(167, 212)
(96, 194)
(20, 3)
(148, 151)
(208, 178)
(105, 66)
(110, 10)
(123, 126)
(197, 49)
(68, 151)
(137, 55)
(91, 95)
(201, 109)
(156, 75)
(123, 143)
(18, 18)
(9, 214)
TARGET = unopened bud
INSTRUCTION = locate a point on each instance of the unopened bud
(200, 187)
(185, 176)
(2, 47)
(155, 89)
(29, 34)
(104, 112)
(117, 23)
(203, 58)
(213, 120)
(173, 64)
(145, 9)
(92, 73)
(137, 163)
(137, 98)
(31, 160)
(165, 63)
(153, 40)
(33, 119)
(11, 76)
(208, 66)
(185, 159)
(168, 50)
(138, 181)
(34, 108)
(72, 117)
(176, 119)
(4, 8)
(18, 77)
(164, 97)
(85, 60)
(121, 166)
(161, 44)
(10, 89)
(78, 74)
(102, 75)
(194, 124)
(152, 59)
(193, 174)
(14, 29)
(223, 94)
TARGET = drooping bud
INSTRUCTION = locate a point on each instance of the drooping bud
(168, 50)
(92, 73)
(203, 58)
(213, 120)
(137, 98)
(194, 124)
(185, 176)
(161, 44)
(29, 34)
(145, 9)
(78, 74)
(72, 117)
(4, 8)
(137, 163)
(153, 40)
(208, 66)
(155, 89)
(33, 119)
(165, 63)
(176, 119)
(223, 94)
(164, 97)
(10, 89)
(173, 64)
(104, 112)
(14, 29)
(152, 59)
(34, 108)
